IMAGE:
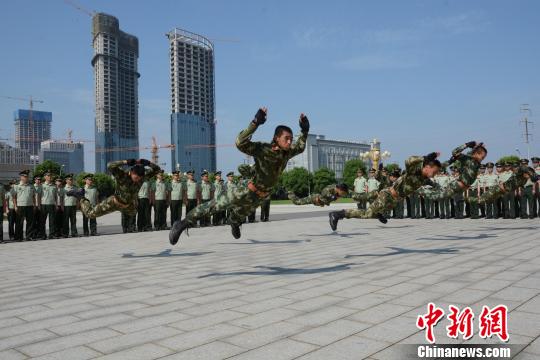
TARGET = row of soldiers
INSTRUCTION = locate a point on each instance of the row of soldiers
(29, 206)
(523, 202)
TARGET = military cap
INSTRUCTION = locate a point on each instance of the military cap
(524, 161)
(176, 172)
(535, 159)
(59, 179)
(482, 166)
(204, 173)
(217, 173)
(88, 176)
(24, 173)
(499, 164)
(372, 170)
(190, 172)
(230, 173)
(489, 165)
(508, 163)
(68, 176)
(36, 177)
(47, 173)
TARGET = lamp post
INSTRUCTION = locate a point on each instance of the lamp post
(375, 154)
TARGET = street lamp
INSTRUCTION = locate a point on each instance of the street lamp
(375, 154)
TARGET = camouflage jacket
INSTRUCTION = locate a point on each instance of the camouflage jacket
(517, 180)
(127, 191)
(466, 165)
(365, 196)
(270, 161)
(327, 196)
(413, 179)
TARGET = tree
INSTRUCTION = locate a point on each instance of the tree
(322, 178)
(47, 166)
(350, 170)
(391, 167)
(298, 180)
(103, 182)
(509, 158)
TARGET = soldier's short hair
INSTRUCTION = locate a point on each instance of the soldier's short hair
(342, 187)
(433, 162)
(280, 129)
(479, 147)
(138, 170)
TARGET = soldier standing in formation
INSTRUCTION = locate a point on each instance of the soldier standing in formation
(24, 200)
(38, 230)
(526, 194)
(219, 190)
(160, 191)
(360, 187)
(144, 222)
(91, 194)
(207, 194)
(177, 196)
(49, 202)
(12, 215)
(70, 208)
(491, 179)
(59, 215)
(192, 192)
(536, 187)
(3, 209)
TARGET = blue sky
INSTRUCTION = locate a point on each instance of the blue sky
(418, 75)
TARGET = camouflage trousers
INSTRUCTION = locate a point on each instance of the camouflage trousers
(447, 192)
(491, 194)
(311, 199)
(381, 205)
(239, 205)
(107, 206)
(365, 196)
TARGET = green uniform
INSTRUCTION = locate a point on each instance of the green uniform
(492, 208)
(404, 186)
(125, 196)
(59, 221)
(39, 230)
(48, 207)
(2, 202)
(536, 190)
(144, 222)
(177, 198)
(325, 198)
(12, 216)
(161, 196)
(473, 198)
(269, 165)
(428, 202)
(70, 212)
(207, 193)
(513, 182)
(25, 197)
(507, 197)
(192, 195)
(90, 225)
(526, 200)
(360, 184)
(444, 204)
(219, 191)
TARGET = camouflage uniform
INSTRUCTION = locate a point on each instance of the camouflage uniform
(404, 186)
(360, 184)
(125, 195)
(515, 181)
(325, 198)
(219, 190)
(270, 161)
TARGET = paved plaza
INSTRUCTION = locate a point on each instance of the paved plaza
(288, 289)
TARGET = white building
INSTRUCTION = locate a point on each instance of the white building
(68, 154)
(12, 161)
(332, 154)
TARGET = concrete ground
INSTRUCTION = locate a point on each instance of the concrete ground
(288, 289)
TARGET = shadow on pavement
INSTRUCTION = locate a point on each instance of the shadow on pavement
(455, 237)
(276, 270)
(261, 242)
(165, 253)
(489, 228)
(400, 251)
(335, 233)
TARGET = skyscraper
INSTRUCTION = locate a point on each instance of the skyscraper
(193, 130)
(31, 128)
(116, 91)
(68, 154)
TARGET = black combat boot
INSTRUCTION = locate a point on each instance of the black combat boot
(334, 217)
(176, 230)
(78, 193)
(382, 218)
(235, 230)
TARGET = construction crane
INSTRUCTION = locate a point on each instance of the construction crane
(31, 102)
(80, 8)
(154, 149)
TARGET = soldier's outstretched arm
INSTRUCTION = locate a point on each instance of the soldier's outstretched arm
(300, 144)
(154, 168)
(115, 167)
(243, 140)
(412, 161)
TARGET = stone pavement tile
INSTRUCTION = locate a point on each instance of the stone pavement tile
(85, 325)
(200, 322)
(110, 310)
(529, 282)
(467, 296)
(148, 310)
(78, 300)
(74, 353)
(22, 310)
(351, 348)
(215, 350)
(534, 347)
(264, 295)
(264, 318)
(264, 335)
(136, 297)
(199, 337)
(65, 342)
(314, 303)
(200, 310)
(148, 322)
(392, 280)
(526, 356)
(524, 323)
(10, 322)
(68, 310)
(366, 301)
(380, 313)
(516, 293)
(263, 305)
(533, 305)
(392, 330)
(357, 290)
(36, 325)
(401, 289)
(204, 299)
(280, 350)
(158, 300)
(331, 332)
(511, 275)
(416, 298)
(322, 316)
(122, 342)
(490, 284)
(447, 287)
(12, 355)
(141, 352)
(17, 303)
(26, 338)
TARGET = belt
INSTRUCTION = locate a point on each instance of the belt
(253, 188)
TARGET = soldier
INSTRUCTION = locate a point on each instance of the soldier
(59, 215)
(219, 190)
(192, 192)
(399, 208)
(49, 202)
(418, 172)
(328, 195)
(144, 217)
(70, 208)
(519, 177)
(177, 196)
(372, 185)
(11, 214)
(270, 161)
(128, 184)
(499, 201)
(231, 187)
(161, 196)
(490, 179)
(472, 196)
(3, 211)
(360, 187)
(429, 204)
(444, 204)
(536, 187)
(207, 194)
(246, 174)
(25, 201)
(459, 200)
(39, 232)
(526, 196)
(507, 197)
(265, 209)
(481, 185)
(91, 193)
